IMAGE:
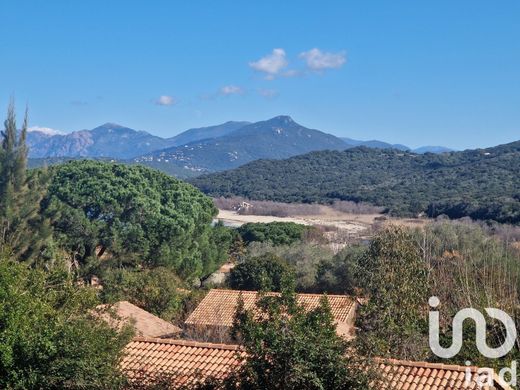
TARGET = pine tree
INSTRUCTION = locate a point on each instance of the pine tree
(23, 231)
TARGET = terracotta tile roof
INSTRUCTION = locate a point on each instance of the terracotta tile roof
(218, 306)
(185, 361)
(146, 324)
(189, 361)
(410, 375)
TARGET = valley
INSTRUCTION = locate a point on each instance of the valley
(352, 224)
(338, 225)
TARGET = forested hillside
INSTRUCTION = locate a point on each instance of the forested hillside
(482, 184)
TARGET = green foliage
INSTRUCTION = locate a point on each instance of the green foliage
(395, 278)
(278, 233)
(216, 249)
(237, 249)
(463, 264)
(23, 231)
(481, 184)
(469, 267)
(48, 338)
(134, 214)
(336, 275)
(266, 272)
(304, 258)
(290, 348)
(153, 290)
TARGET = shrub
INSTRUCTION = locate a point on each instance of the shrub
(278, 233)
(265, 272)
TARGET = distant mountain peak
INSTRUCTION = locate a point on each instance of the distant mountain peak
(276, 138)
(44, 130)
(107, 140)
(233, 122)
(385, 145)
(432, 149)
(282, 119)
(201, 133)
(112, 125)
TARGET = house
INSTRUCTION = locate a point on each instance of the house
(185, 362)
(411, 375)
(181, 361)
(214, 315)
(243, 206)
(145, 324)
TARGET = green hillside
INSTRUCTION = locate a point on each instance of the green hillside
(482, 184)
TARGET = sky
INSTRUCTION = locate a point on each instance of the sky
(412, 72)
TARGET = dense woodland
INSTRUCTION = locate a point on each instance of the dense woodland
(482, 184)
(147, 238)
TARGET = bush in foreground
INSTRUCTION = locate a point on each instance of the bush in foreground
(48, 338)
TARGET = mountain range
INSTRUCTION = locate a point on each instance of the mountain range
(375, 144)
(197, 150)
(108, 140)
(276, 138)
(197, 134)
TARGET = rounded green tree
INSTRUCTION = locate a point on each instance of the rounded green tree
(136, 215)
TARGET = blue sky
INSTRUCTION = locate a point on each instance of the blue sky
(414, 72)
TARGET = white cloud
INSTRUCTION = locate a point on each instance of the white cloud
(319, 60)
(291, 73)
(45, 130)
(165, 100)
(268, 93)
(272, 64)
(231, 90)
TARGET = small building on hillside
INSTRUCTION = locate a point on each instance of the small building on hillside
(243, 206)
(213, 317)
(145, 324)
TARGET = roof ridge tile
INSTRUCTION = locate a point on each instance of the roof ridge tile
(423, 364)
(271, 292)
(187, 343)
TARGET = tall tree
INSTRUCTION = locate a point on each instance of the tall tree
(289, 347)
(134, 215)
(23, 231)
(393, 322)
